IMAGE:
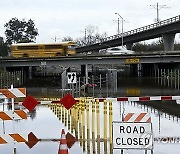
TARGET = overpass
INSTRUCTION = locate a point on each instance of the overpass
(148, 61)
(148, 58)
(165, 29)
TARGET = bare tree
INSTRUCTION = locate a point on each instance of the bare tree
(91, 36)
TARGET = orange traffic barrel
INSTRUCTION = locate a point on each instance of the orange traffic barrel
(63, 148)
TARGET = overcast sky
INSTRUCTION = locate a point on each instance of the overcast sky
(62, 18)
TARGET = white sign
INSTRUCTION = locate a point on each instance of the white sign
(43, 63)
(71, 77)
(128, 135)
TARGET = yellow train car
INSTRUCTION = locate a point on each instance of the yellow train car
(43, 50)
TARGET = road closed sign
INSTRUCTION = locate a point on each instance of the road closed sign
(127, 135)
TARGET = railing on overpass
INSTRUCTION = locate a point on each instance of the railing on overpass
(141, 29)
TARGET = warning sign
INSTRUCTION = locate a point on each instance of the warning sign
(128, 135)
(68, 101)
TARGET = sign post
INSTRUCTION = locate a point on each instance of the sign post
(72, 79)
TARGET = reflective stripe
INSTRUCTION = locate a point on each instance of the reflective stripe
(10, 138)
(137, 117)
(133, 98)
(13, 93)
(17, 92)
(10, 115)
(63, 147)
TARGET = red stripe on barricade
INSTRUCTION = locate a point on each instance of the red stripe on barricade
(128, 116)
(4, 116)
(146, 98)
(140, 116)
(23, 90)
(149, 120)
(122, 99)
(2, 141)
(56, 102)
(101, 99)
(166, 97)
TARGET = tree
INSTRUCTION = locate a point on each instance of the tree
(3, 48)
(91, 36)
(68, 38)
(20, 31)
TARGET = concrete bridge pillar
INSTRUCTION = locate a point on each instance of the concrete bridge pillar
(168, 40)
(129, 45)
(30, 72)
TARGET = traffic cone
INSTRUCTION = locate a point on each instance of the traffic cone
(63, 148)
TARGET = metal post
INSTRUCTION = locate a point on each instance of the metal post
(122, 28)
(12, 101)
(107, 84)
(79, 86)
(93, 85)
(72, 86)
(118, 27)
(178, 80)
(84, 86)
(100, 85)
(86, 68)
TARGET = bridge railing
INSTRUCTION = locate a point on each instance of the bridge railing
(138, 30)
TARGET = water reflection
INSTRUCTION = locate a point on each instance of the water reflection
(129, 86)
(90, 121)
(86, 120)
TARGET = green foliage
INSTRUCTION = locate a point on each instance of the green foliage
(4, 48)
(20, 31)
(148, 47)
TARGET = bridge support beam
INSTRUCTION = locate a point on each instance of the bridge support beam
(30, 72)
(168, 40)
(84, 72)
(129, 45)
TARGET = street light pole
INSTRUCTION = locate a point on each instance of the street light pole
(118, 27)
(122, 26)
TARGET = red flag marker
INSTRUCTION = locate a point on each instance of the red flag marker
(68, 101)
(30, 103)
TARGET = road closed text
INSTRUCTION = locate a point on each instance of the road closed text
(132, 135)
(132, 141)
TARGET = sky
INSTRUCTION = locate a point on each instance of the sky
(64, 18)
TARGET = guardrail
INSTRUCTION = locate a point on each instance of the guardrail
(138, 30)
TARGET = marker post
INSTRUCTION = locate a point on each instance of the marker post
(12, 103)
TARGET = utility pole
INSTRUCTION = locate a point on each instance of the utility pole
(158, 7)
(85, 36)
(118, 27)
(122, 27)
(55, 39)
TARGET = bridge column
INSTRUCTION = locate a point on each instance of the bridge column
(129, 45)
(30, 72)
(84, 72)
(168, 40)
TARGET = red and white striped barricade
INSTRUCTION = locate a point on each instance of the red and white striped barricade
(13, 115)
(10, 138)
(12, 93)
(137, 117)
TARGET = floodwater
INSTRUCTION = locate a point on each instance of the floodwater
(89, 124)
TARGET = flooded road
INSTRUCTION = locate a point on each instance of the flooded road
(89, 123)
